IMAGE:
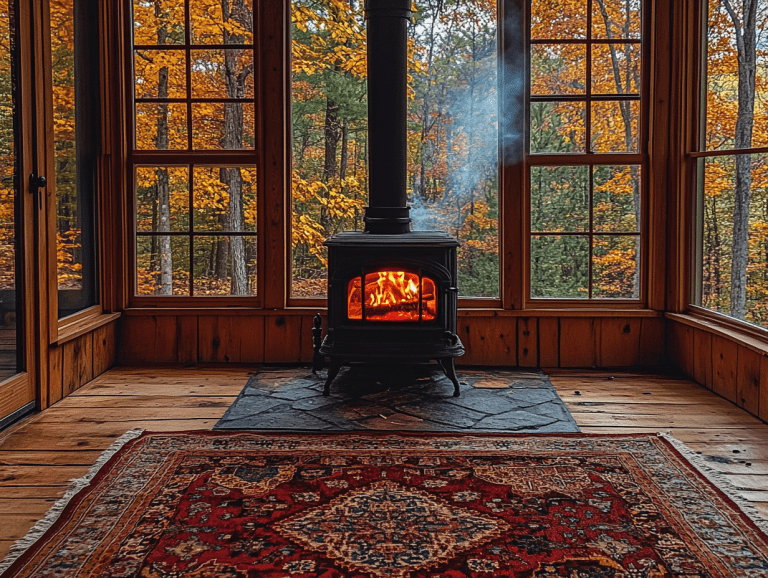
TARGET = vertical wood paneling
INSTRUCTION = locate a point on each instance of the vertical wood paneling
(78, 363)
(56, 374)
(287, 339)
(619, 342)
(579, 341)
(549, 342)
(187, 347)
(724, 363)
(104, 348)
(527, 342)
(231, 339)
(763, 409)
(748, 380)
(148, 339)
(488, 341)
(680, 346)
(702, 357)
(652, 341)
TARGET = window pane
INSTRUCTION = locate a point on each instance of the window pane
(221, 22)
(75, 122)
(724, 106)
(452, 140)
(559, 199)
(158, 23)
(225, 265)
(615, 271)
(558, 127)
(735, 252)
(330, 129)
(615, 68)
(162, 199)
(558, 19)
(161, 126)
(225, 199)
(558, 69)
(560, 267)
(160, 74)
(616, 19)
(615, 126)
(219, 125)
(222, 74)
(616, 198)
(10, 304)
(162, 265)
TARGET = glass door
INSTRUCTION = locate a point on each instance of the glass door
(17, 200)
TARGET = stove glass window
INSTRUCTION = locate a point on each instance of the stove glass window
(391, 295)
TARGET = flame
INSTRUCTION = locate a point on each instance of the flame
(392, 296)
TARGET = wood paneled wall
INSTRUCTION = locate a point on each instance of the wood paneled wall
(79, 360)
(733, 367)
(493, 340)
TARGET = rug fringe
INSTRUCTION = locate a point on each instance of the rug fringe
(718, 479)
(77, 485)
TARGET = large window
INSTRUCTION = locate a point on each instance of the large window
(453, 173)
(195, 147)
(586, 149)
(75, 81)
(732, 257)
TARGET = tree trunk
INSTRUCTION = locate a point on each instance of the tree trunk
(233, 139)
(747, 58)
(344, 152)
(163, 181)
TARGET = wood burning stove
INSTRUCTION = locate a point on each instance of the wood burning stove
(392, 293)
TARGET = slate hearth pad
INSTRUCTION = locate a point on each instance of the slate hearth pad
(403, 398)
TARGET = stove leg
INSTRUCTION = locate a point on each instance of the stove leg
(450, 371)
(333, 371)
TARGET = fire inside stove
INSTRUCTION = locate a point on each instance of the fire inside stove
(392, 296)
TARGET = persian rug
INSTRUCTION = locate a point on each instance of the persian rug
(399, 398)
(367, 505)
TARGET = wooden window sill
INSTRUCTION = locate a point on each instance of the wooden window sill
(82, 326)
(755, 339)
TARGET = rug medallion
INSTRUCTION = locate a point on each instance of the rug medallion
(363, 505)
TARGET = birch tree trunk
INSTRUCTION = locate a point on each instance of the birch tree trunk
(233, 139)
(746, 46)
(162, 186)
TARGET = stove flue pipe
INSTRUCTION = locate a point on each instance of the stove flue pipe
(387, 29)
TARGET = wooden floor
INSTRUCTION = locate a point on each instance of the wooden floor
(40, 455)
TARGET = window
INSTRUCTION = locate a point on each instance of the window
(587, 149)
(195, 147)
(453, 169)
(75, 81)
(732, 235)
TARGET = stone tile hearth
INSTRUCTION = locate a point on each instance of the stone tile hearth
(399, 398)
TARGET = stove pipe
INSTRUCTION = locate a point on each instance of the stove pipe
(387, 28)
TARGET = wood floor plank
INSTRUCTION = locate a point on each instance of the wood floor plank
(38, 507)
(48, 458)
(35, 475)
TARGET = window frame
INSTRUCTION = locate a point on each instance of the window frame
(192, 157)
(591, 159)
(691, 285)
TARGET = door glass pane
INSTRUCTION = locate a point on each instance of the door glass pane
(75, 121)
(9, 301)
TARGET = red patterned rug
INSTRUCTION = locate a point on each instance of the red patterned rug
(225, 504)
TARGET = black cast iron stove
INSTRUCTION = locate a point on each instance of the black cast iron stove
(392, 293)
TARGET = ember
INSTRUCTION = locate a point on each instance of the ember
(392, 296)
